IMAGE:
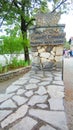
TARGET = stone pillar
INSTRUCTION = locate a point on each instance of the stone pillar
(47, 40)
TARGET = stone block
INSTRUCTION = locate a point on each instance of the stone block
(59, 50)
(45, 55)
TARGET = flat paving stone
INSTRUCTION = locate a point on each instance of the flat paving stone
(4, 97)
(55, 91)
(20, 82)
(20, 91)
(41, 91)
(15, 116)
(55, 118)
(47, 127)
(8, 104)
(42, 105)
(31, 86)
(56, 104)
(19, 100)
(58, 82)
(4, 113)
(29, 93)
(26, 123)
(37, 99)
(44, 83)
(34, 81)
(12, 88)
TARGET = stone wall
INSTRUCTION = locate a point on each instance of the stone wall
(11, 74)
(47, 57)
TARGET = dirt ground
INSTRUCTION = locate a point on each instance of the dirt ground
(68, 82)
(5, 84)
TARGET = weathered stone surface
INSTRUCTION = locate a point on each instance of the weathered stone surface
(55, 91)
(19, 100)
(4, 113)
(20, 82)
(45, 54)
(31, 86)
(58, 82)
(55, 118)
(58, 78)
(26, 123)
(44, 83)
(41, 91)
(34, 80)
(58, 58)
(4, 97)
(42, 105)
(59, 50)
(47, 127)
(12, 88)
(37, 99)
(56, 104)
(20, 91)
(29, 93)
(15, 116)
(8, 104)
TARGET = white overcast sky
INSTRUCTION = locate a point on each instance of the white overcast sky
(67, 19)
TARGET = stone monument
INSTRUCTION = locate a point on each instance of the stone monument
(47, 39)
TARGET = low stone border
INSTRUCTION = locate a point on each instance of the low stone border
(11, 74)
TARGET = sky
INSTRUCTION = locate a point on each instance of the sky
(67, 19)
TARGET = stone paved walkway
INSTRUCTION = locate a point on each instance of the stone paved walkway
(34, 102)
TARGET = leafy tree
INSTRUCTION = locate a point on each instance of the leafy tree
(20, 12)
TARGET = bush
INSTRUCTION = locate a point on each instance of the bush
(1, 68)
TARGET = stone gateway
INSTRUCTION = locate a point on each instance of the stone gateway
(47, 39)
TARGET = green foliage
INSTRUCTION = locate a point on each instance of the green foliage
(66, 45)
(14, 63)
(0, 68)
(18, 63)
(11, 45)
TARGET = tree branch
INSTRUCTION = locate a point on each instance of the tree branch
(6, 13)
(62, 2)
(30, 22)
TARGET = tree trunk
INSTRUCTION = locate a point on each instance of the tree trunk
(24, 35)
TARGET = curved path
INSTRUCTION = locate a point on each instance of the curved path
(34, 102)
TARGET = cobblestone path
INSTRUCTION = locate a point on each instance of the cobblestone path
(34, 102)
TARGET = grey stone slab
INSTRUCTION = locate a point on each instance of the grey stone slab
(12, 88)
(58, 82)
(8, 104)
(55, 91)
(42, 105)
(37, 99)
(20, 82)
(55, 118)
(47, 127)
(29, 93)
(15, 116)
(44, 83)
(41, 90)
(26, 123)
(4, 97)
(4, 113)
(56, 104)
(20, 91)
(59, 78)
(47, 78)
(31, 86)
(19, 100)
(34, 81)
